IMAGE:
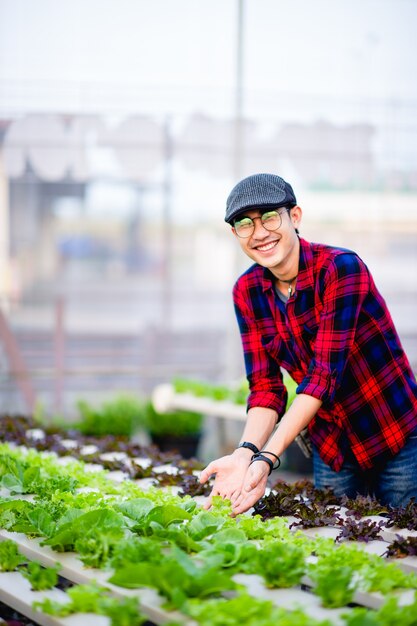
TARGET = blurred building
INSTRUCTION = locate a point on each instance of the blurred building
(116, 268)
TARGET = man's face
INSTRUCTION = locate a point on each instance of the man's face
(272, 249)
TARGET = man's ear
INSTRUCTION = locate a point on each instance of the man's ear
(234, 230)
(296, 214)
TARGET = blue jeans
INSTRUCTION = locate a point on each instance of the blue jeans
(392, 483)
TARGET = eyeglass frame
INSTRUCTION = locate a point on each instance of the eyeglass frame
(259, 217)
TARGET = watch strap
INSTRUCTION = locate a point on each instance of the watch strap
(249, 445)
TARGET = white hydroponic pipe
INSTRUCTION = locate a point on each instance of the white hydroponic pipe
(165, 399)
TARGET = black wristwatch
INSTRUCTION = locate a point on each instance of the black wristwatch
(249, 445)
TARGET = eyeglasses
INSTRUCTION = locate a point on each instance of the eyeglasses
(271, 220)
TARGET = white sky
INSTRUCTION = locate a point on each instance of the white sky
(180, 54)
(341, 60)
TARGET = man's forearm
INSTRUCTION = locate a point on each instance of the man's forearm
(298, 416)
(260, 423)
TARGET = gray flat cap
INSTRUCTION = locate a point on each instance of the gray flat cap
(257, 192)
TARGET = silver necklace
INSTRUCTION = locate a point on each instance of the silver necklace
(289, 283)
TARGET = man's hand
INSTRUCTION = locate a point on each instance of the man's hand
(230, 474)
(253, 488)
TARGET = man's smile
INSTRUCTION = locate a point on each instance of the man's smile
(265, 247)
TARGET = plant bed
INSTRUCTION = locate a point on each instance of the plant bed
(185, 564)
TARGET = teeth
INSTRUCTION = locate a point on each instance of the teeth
(267, 246)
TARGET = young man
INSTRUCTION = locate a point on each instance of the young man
(315, 311)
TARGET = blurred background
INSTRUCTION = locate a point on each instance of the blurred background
(124, 125)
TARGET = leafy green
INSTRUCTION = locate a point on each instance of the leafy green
(359, 616)
(41, 577)
(136, 550)
(12, 512)
(257, 528)
(173, 423)
(281, 564)
(205, 524)
(136, 509)
(10, 557)
(334, 585)
(177, 578)
(19, 477)
(93, 534)
(93, 598)
(335, 574)
(229, 548)
(247, 610)
(41, 522)
(391, 613)
(123, 415)
(384, 577)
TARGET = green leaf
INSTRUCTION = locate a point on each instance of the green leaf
(13, 483)
(10, 556)
(176, 578)
(230, 535)
(166, 515)
(281, 564)
(40, 577)
(204, 524)
(334, 585)
(98, 520)
(42, 522)
(136, 509)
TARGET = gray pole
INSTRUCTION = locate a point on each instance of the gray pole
(233, 350)
(167, 229)
(238, 147)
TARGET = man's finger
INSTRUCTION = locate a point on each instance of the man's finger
(208, 471)
(209, 500)
(237, 501)
(247, 501)
(234, 496)
(244, 505)
(207, 504)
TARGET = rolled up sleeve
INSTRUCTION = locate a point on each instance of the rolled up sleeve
(263, 372)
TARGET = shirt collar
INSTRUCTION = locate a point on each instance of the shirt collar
(305, 278)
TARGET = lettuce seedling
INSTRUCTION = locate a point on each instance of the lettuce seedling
(281, 564)
(93, 598)
(40, 577)
(10, 557)
(177, 578)
(247, 610)
(334, 585)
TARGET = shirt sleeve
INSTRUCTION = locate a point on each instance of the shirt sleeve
(263, 372)
(344, 284)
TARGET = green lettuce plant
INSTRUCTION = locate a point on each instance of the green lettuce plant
(121, 416)
(178, 423)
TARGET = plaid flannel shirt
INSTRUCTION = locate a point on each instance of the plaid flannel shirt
(336, 339)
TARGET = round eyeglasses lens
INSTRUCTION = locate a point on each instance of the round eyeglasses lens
(271, 220)
(244, 227)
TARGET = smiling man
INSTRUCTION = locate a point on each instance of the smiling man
(314, 311)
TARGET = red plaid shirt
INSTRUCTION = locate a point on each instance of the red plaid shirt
(336, 339)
